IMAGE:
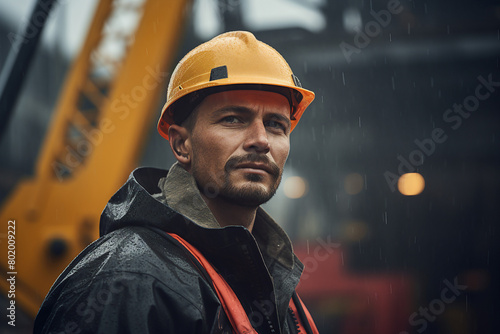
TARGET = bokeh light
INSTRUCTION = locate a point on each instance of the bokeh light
(295, 187)
(353, 183)
(411, 184)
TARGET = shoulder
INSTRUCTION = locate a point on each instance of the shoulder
(134, 270)
(132, 252)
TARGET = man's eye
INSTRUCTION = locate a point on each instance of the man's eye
(230, 119)
(277, 125)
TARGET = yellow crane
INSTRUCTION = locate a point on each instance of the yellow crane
(106, 106)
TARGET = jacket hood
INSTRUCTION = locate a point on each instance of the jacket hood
(134, 205)
(126, 207)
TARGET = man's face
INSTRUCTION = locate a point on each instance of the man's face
(239, 145)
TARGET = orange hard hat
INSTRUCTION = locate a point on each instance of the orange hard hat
(233, 60)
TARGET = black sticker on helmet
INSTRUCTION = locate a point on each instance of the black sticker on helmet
(218, 73)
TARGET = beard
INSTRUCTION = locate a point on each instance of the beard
(249, 195)
(252, 194)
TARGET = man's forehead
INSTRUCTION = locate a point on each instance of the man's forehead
(269, 100)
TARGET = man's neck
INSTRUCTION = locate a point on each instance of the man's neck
(228, 213)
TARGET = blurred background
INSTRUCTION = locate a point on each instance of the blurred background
(391, 189)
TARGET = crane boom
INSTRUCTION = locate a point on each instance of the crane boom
(104, 111)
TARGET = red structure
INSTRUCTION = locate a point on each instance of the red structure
(348, 303)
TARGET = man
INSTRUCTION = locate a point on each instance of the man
(185, 251)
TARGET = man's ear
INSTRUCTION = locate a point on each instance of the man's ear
(180, 144)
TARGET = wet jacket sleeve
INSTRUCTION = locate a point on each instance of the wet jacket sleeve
(127, 303)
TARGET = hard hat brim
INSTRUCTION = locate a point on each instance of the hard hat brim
(298, 104)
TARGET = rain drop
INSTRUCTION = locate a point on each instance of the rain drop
(343, 78)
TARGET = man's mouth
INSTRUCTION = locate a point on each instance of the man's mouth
(256, 166)
(253, 163)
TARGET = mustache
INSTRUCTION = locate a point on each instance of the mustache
(252, 157)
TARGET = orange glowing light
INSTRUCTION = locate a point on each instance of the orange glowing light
(411, 184)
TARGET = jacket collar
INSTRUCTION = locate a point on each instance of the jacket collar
(181, 194)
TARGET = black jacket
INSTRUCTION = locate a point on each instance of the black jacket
(137, 279)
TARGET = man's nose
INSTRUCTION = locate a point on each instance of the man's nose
(257, 139)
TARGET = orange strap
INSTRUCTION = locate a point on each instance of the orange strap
(231, 304)
(299, 319)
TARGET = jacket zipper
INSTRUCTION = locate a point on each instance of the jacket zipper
(260, 295)
(295, 321)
